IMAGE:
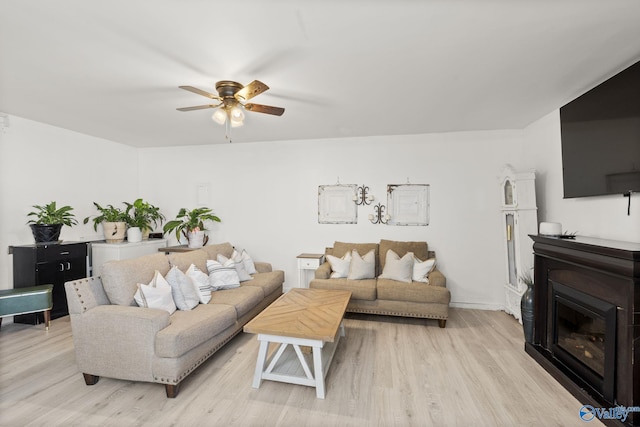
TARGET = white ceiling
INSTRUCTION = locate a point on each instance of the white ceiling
(111, 69)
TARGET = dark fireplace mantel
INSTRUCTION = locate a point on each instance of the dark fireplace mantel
(592, 270)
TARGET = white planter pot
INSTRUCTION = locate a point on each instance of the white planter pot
(114, 232)
(134, 235)
(196, 239)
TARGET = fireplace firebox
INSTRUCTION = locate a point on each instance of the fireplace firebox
(584, 335)
(587, 319)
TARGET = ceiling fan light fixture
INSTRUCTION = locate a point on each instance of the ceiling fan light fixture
(219, 116)
(236, 114)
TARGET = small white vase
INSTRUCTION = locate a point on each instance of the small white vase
(196, 239)
(134, 235)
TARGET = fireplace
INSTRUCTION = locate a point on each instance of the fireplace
(587, 319)
(584, 332)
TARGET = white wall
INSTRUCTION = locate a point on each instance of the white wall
(267, 197)
(41, 163)
(603, 217)
(266, 193)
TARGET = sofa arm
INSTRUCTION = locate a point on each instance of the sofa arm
(117, 341)
(263, 267)
(436, 278)
(324, 271)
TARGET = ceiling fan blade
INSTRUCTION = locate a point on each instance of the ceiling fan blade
(254, 88)
(200, 92)
(199, 107)
(267, 109)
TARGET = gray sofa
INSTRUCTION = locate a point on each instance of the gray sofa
(115, 338)
(385, 296)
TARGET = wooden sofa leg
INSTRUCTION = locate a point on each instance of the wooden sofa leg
(442, 322)
(172, 390)
(90, 379)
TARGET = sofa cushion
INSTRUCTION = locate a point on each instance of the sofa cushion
(185, 292)
(341, 248)
(422, 269)
(396, 268)
(157, 294)
(183, 260)
(419, 249)
(120, 278)
(223, 275)
(362, 267)
(224, 249)
(200, 280)
(247, 261)
(189, 329)
(268, 282)
(413, 292)
(339, 266)
(243, 298)
(243, 275)
(360, 289)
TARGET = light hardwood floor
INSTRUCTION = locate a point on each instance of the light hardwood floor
(386, 372)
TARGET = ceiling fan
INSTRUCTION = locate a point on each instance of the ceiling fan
(233, 96)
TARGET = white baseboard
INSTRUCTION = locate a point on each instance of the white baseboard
(477, 306)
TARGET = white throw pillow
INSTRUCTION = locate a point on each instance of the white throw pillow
(243, 276)
(184, 293)
(396, 268)
(421, 269)
(200, 282)
(223, 276)
(248, 263)
(362, 267)
(157, 294)
(339, 266)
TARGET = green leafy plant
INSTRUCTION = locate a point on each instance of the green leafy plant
(50, 214)
(190, 220)
(142, 214)
(109, 213)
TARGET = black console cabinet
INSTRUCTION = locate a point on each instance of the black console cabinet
(48, 264)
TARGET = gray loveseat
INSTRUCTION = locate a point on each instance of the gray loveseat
(115, 338)
(386, 296)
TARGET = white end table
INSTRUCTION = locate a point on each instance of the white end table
(307, 263)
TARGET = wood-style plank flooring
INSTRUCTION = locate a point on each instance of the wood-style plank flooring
(386, 372)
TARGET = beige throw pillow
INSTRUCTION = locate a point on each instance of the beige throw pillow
(396, 268)
(157, 294)
(183, 291)
(339, 266)
(421, 269)
(362, 267)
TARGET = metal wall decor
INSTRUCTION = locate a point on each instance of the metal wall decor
(336, 204)
(408, 204)
(378, 216)
(362, 196)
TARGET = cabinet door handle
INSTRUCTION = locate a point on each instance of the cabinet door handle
(68, 265)
(61, 267)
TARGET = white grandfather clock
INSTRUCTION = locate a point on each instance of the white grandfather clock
(519, 219)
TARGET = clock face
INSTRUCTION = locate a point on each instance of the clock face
(508, 193)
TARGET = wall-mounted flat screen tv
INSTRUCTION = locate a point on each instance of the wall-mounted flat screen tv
(600, 133)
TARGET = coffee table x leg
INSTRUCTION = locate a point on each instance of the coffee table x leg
(289, 364)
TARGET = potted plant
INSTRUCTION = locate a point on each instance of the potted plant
(113, 220)
(49, 220)
(142, 215)
(191, 224)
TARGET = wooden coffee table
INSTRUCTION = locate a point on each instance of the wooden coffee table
(299, 319)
